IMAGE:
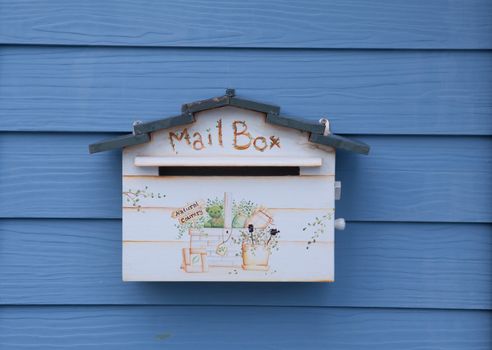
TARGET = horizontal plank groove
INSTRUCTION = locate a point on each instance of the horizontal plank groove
(361, 92)
(382, 24)
(353, 49)
(47, 306)
(379, 265)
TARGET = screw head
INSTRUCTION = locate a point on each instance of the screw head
(274, 231)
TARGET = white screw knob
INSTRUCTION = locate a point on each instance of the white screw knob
(340, 224)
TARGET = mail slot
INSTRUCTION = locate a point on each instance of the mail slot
(229, 190)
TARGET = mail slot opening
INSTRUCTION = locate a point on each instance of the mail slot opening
(229, 171)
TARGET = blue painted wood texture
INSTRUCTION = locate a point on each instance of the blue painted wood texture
(425, 24)
(157, 327)
(361, 91)
(412, 79)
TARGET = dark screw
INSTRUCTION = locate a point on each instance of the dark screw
(251, 229)
(274, 231)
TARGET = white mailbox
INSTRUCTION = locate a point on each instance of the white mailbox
(230, 190)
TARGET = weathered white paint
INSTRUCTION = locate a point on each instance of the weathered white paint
(228, 161)
(160, 261)
(273, 192)
(196, 228)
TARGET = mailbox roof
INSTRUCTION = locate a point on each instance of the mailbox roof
(141, 131)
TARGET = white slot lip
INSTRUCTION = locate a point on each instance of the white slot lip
(184, 161)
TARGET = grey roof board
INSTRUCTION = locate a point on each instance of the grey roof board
(229, 99)
(295, 123)
(142, 130)
(340, 142)
(119, 142)
(203, 105)
(166, 123)
(253, 105)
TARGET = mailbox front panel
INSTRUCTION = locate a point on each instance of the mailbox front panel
(228, 228)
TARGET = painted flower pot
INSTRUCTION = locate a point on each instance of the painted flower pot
(255, 257)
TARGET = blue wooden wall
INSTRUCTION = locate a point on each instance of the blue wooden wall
(411, 78)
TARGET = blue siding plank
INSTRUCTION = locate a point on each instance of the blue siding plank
(242, 328)
(427, 24)
(411, 178)
(361, 92)
(377, 265)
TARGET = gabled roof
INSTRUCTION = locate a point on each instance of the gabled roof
(141, 131)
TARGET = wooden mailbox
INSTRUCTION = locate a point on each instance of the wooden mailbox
(229, 190)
